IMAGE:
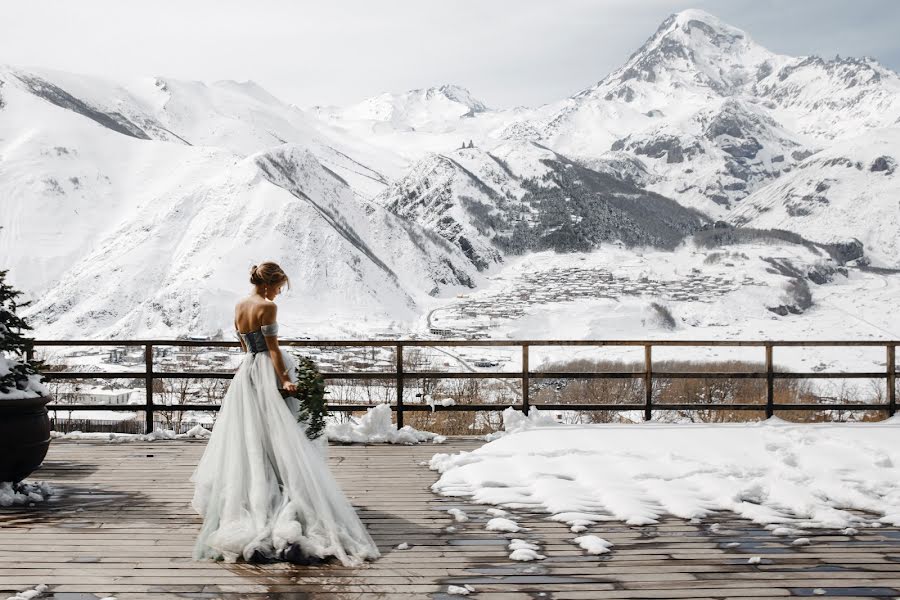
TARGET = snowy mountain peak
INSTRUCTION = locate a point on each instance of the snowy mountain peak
(413, 109)
(248, 88)
(693, 48)
(459, 94)
(700, 18)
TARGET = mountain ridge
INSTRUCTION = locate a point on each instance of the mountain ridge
(378, 209)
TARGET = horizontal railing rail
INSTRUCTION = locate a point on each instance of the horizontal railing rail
(149, 374)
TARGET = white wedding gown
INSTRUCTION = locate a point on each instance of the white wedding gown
(261, 485)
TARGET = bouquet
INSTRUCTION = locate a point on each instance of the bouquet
(311, 396)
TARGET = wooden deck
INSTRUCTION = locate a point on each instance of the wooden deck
(122, 525)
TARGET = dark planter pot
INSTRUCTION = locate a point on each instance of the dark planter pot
(24, 436)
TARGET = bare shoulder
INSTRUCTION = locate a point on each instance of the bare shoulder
(267, 312)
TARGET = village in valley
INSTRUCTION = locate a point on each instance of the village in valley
(473, 316)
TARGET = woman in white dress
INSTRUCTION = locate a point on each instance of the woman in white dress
(264, 490)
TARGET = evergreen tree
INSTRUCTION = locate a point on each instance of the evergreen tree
(12, 342)
(471, 144)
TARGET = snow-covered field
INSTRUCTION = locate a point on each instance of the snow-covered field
(784, 476)
(849, 307)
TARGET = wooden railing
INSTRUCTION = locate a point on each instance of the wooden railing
(399, 375)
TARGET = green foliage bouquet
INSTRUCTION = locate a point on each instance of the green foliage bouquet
(311, 395)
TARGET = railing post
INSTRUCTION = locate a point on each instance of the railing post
(648, 382)
(399, 386)
(148, 383)
(770, 382)
(892, 379)
(525, 381)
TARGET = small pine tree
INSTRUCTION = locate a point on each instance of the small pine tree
(12, 342)
(311, 394)
(471, 144)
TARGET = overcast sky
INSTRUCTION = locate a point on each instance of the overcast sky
(507, 52)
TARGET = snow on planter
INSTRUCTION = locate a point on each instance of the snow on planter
(782, 475)
(375, 427)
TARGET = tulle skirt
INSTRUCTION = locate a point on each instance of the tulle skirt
(262, 486)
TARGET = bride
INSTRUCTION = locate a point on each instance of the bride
(264, 490)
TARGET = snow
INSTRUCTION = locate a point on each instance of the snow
(834, 196)
(593, 544)
(414, 109)
(524, 551)
(29, 594)
(196, 432)
(849, 307)
(502, 524)
(430, 401)
(211, 208)
(458, 515)
(33, 387)
(375, 427)
(460, 590)
(777, 474)
(403, 546)
(782, 531)
(13, 494)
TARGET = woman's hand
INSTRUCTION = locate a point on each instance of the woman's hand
(288, 385)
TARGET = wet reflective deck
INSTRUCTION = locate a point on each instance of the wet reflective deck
(122, 526)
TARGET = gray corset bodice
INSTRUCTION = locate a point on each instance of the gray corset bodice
(256, 340)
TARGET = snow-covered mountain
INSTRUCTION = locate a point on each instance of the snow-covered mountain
(239, 117)
(136, 208)
(851, 191)
(522, 197)
(710, 114)
(700, 113)
(413, 109)
(716, 116)
(122, 223)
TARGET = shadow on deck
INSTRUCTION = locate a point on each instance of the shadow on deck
(121, 525)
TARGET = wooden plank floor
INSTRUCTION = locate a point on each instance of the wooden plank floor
(122, 525)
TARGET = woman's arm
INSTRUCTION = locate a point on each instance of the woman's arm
(270, 312)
